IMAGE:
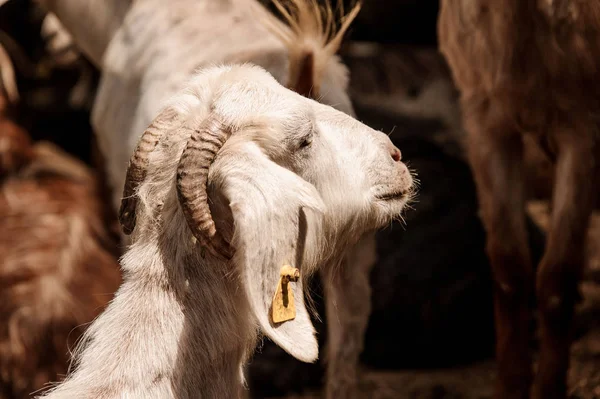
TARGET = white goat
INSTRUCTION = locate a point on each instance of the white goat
(152, 54)
(185, 320)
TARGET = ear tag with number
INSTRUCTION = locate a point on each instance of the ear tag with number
(283, 308)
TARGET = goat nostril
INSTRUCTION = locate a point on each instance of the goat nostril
(396, 154)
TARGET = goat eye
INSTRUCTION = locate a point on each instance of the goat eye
(305, 142)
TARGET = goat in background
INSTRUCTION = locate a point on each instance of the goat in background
(529, 67)
(58, 268)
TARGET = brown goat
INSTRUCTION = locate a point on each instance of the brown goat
(58, 268)
(529, 68)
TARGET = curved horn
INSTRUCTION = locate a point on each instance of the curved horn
(192, 178)
(138, 164)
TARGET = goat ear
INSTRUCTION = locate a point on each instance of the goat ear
(277, 216)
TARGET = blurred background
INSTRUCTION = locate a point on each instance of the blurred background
(431, 331)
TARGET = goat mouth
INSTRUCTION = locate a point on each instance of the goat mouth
(395, 195)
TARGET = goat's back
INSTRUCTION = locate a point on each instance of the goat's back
(537, 59)
(157, 50)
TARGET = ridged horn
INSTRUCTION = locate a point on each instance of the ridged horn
(138, 167)
(192, 179)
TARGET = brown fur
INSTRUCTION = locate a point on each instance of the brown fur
(57, 266)
(529, 67)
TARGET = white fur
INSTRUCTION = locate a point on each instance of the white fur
(91, 23)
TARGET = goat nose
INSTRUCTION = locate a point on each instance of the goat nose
(395, 153)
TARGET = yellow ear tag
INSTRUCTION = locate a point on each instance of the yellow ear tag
(284, 308)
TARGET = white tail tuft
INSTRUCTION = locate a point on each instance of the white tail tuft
(313, 34)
